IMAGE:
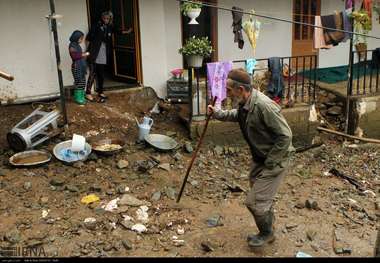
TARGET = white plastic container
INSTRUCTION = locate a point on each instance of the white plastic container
(78, 143)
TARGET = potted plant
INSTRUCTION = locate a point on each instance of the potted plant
(362, 25)
(192, 10)
(195, 49)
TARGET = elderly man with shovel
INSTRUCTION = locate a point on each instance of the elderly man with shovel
(270, 140)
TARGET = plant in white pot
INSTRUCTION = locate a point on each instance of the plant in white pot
(192, 10)
(195, 49)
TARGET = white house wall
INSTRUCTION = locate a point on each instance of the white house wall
(27, 47)
(275, 37)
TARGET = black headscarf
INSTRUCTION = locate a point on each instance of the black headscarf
(74, 43)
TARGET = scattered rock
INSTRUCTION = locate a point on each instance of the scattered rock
(13, 236)
(156, 159)
(311, 204)
(95, 188)
(215, 221)
(300, 205)
(93, 157)
(194, 183)
(90, 223)
(156, 196)
(165, 166)
(122, 189)
(170, 192)
(311, 234)
(180, 230)
(127, 244)
(108, 247)
(122, 164)
(290, 226)
(145, 165)
(78, 165)
(207, 246)
(139, 228)
(130, 200)
(189, 147)
(218, 150)
(110, 192)
(44, 200)
(27, 185)
(234, 187)
(57, 182)
(72, 188)
(178, 157)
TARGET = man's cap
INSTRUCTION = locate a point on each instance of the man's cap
(239, 75)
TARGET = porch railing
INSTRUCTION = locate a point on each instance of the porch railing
(299, 85)
(364, 79)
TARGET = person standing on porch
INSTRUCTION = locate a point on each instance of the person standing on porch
(99, 43)
(78, 66)
(270, 140)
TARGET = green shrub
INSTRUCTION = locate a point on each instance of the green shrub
(197, 46)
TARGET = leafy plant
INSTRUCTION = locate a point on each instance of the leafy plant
(362, 25)
(197, 46)
(186, 7)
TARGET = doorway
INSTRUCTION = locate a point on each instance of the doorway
(302, 44)
(124, 66)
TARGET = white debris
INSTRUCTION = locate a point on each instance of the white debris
(127, 218)
(155, 109)
(112, 205)
(175, 237)
(352, 201)
(370, 192)
(98, 170)
(113, 224)
(45, 213)
(326, 174)
(126, 189)
(353, 146)
(140, 228)
(169, 224)
(180, 230)
(90, 220)
(142, 214)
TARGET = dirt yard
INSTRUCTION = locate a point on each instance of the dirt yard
(41, 207)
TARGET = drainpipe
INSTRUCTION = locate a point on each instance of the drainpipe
(52, 18)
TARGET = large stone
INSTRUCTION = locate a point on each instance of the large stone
(27, 185)
(156, 196)
(189, 147)
(132, 201)
(57, 182)
(122, 164)
(170, 192)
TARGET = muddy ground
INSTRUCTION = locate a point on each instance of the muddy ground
(41, 207)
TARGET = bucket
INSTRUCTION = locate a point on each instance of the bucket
(143, 130)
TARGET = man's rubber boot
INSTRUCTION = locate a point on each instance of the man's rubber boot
(266, 235)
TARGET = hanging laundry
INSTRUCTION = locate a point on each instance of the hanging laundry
(336, 22)
(319, 39)
(252, 30)
(250, 65)
(217, 80)
(347, 25)
(237, 18)
(276, 82)
(349, 4)
(367, 5)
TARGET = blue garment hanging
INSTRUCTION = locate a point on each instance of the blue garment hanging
(250, 65)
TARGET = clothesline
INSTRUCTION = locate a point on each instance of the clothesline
(278, 19)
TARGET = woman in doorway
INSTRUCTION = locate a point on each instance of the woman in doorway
(78, 66)
(99, 41)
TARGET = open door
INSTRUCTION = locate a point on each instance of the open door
(125, 62)
(126, 46)
(302, 45)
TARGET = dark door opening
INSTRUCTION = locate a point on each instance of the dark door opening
(124, 65)
(208, 27)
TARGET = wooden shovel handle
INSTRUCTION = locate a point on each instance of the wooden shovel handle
(6, 76)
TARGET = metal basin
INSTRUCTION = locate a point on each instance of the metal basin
(100, 147)
(161, 142)
(30, 158)
(67, 145)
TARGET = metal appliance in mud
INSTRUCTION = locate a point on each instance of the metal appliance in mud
(36, 128)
